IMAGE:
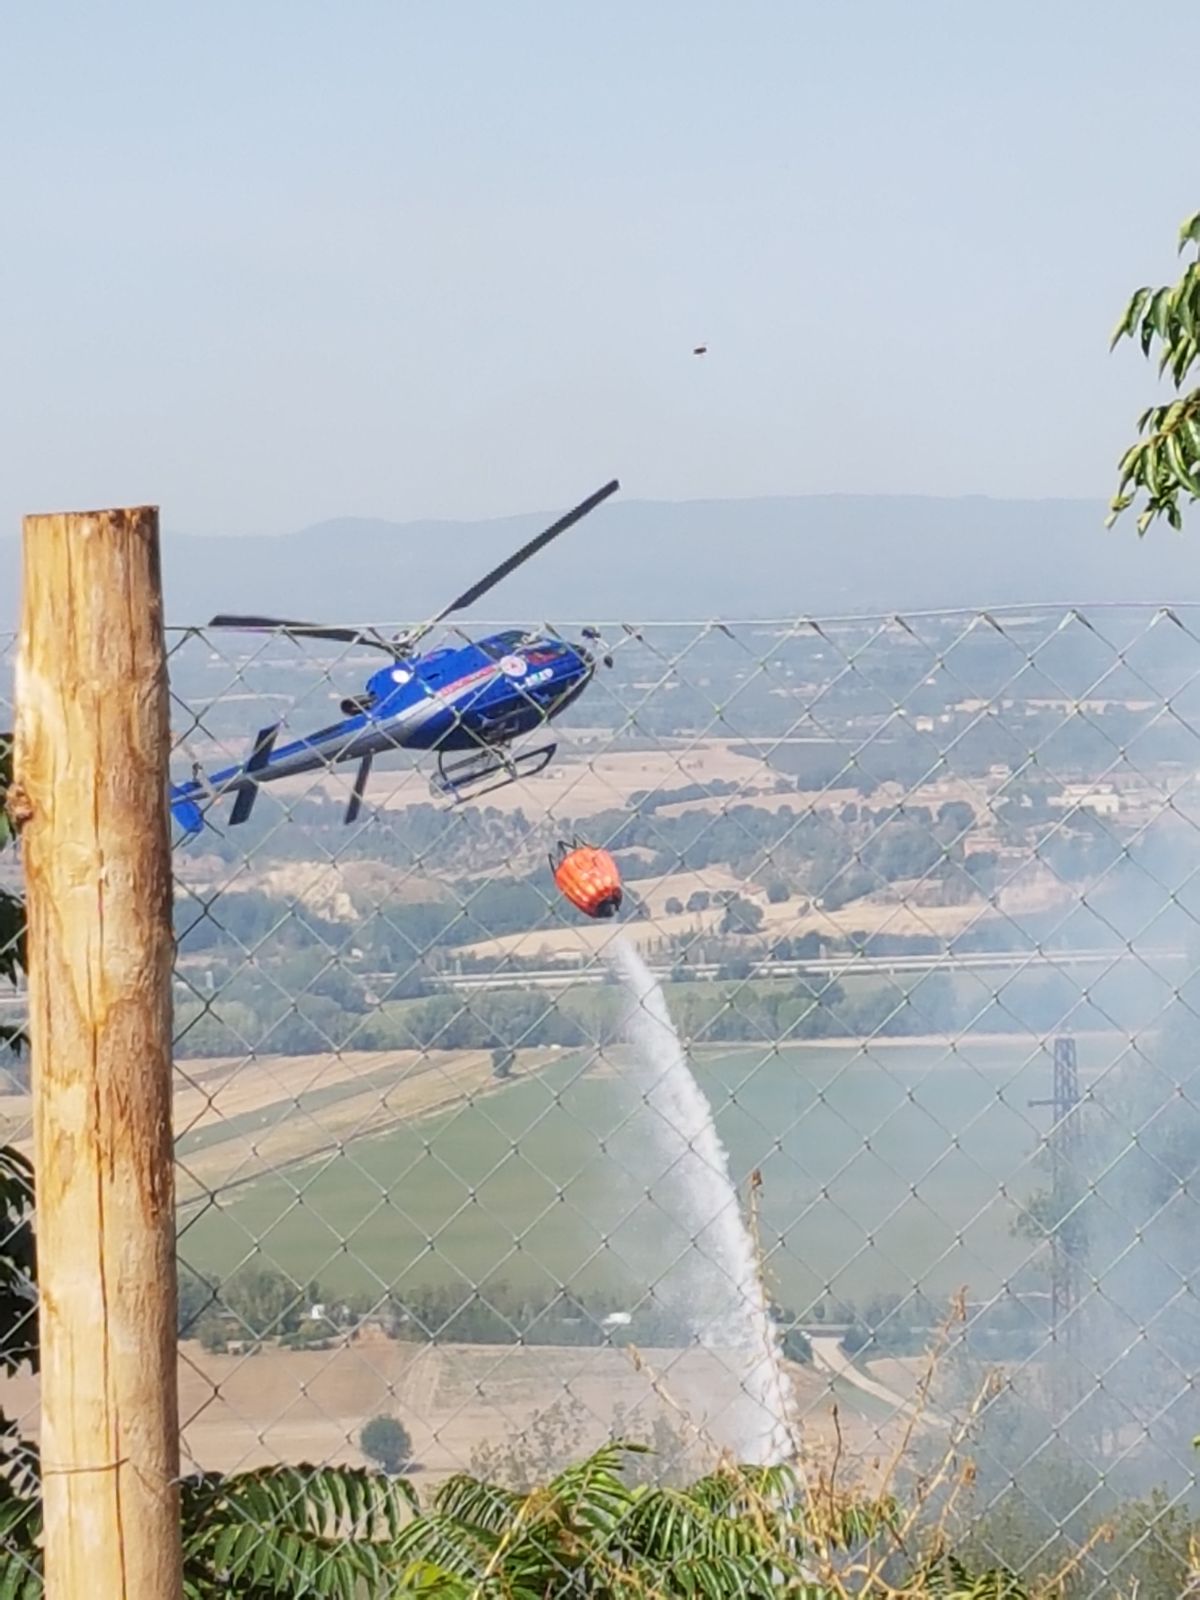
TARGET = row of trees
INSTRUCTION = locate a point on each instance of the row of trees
(733, 1008)
(261, 1304)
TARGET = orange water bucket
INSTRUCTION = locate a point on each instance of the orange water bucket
(588, 877)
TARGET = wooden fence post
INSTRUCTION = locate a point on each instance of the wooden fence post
(91, 769)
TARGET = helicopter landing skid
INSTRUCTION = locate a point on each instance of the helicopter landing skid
(460, 779)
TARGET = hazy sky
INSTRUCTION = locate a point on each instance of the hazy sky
(273, 261)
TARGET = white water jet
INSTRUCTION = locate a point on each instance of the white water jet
(714, 1281)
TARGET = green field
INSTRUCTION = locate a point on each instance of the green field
(878, 1170)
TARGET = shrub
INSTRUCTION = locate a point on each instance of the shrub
(386, 1442)
(797, 1346)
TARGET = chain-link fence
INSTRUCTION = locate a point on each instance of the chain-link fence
(865, 1133)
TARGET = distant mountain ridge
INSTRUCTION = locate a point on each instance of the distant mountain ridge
(638, 560)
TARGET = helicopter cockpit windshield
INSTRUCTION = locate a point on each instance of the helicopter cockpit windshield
(503, 644)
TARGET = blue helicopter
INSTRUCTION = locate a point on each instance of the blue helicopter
(467, 704)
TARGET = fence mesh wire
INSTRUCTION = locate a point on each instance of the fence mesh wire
(918, 897)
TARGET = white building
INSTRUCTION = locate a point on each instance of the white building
(1103, 800)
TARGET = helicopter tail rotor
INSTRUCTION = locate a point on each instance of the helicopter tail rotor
(260, 757)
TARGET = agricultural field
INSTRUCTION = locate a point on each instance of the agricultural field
(881, 1167)
(240, 1119)
(242, 1411)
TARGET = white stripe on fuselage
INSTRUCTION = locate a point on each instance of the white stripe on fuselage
(411, 718)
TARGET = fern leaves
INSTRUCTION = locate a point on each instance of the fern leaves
(344, 1533)
(293, 1531)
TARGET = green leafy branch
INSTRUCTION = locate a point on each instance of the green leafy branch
(1164, 463)
(319, 1531)
(12, 908)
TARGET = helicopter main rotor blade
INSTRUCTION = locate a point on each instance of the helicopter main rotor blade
(405, 641)
(309, 630)
(539, 542)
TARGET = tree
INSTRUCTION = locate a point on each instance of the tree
(212, 1332)
(1164, 463)
(674, 906)
(955, 817)
(12, 908)
(387, 1442)
(20, 1509)
(797, 1346)
(741, 916)
(980, 866)
(504, 1059)
(197, 1297)
(265, 1301)
(594, 1531)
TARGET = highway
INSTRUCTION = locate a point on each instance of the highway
(825, 966)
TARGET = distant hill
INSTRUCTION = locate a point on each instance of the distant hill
(652, 560)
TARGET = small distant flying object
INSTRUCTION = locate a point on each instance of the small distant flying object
(466, 705)
(700, 350)
(588, 877)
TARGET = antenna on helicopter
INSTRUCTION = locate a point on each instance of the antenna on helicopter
(404, 643)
